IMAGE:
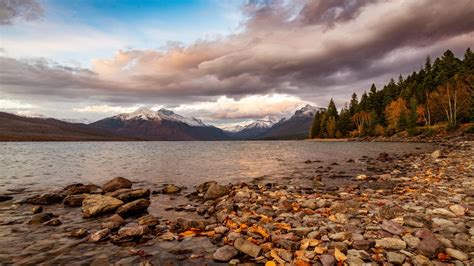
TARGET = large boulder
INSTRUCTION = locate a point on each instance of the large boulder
(116, 184)
(94, 205)
(215, 191)
(127, 194)
(79, 188)
(133, 207)
(45, 199)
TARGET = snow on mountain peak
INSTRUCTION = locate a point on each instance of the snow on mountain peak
(144, 113)
(308, 110)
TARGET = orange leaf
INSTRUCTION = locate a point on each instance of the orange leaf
(339, 255)
(259, 230)
(300, 262)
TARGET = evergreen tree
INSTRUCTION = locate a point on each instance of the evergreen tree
(354, 105)
(332, 110)
(316, 126)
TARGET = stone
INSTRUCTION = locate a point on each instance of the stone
(342, 246)
(354, 257)
(395, 258)
(215, 191)
(415, 221)
(116, 184)
(443, 212)
(362, 244)
(420, 260)
(361, 177)
(133, 231)
(221, 229)
(327, 260)
(458, 209)
(225, 253)
(247, 247)
(464, 245)
(411, 241)
(188, 223)
(74, 200)
(79, 188)
(440, 222)
(133, 207)
(41, 218)
(430, 247)
(436, 154)
(37, 209)
(45, 199)
(392, 227)
(53, 222)
(171, 189)
(338, 236)
(148, 220)
(4, 198)
(128, 195)
(202, 188)
(168, 236)
(99, 235)
(390, 243)
(241, 196)
(79, 233)
(94, 205)
(457, 254)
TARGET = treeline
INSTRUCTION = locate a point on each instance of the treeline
(440, 92)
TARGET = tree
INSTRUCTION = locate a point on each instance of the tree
(396, 113)
(354, 104)
(423, 115)
(332, 110)
(361, 121)
(316, 126)
(331, 127)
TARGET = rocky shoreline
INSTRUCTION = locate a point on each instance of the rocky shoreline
(411, 210)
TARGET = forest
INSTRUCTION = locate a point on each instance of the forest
(439, 94)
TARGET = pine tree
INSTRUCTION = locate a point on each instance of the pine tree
(332, 110)
(316, 126)
(354, 104)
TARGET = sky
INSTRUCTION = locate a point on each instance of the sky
(225, 62)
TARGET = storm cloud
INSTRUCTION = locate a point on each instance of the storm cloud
(312, 49)
(19, 9)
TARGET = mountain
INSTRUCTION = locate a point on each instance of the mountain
(159, 125)
(20, 128)
(252, 130)
(295, 127)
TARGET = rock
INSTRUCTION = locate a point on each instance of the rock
(170, 189)
(41, 218)
(225, 253)
(342, 246)
(247, 247)
(362, 244)
(327, 260)
(127, 194)
(221, 229)
(458, 210)
(464, 245)
(361, 177)
(79, 233)
(99, 235)
(53, 222)
(430, 247)
(443, 212)
(187, 223)
(415, 221)
(241, 196)
(234, 262)
(133, 207)
(4, 198)
(420, 260)
(411, 241)
(168, 236)
(354, 257)
(78, 188)
(45, 199)
(285, 255)
(202, 188)
(215, 191)
(133, 231)
(37, 209)
(395, 258)
(457, 254)
(148, 220)
(436, 154)
(392, 227)
(440, 222)
(74, 200)
(116, 184)
(338, 236)
(390, 243)
(94, 205)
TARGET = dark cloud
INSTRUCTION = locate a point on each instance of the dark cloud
(315, 49)
(19, 9)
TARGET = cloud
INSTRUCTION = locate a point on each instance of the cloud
(19, 9)
(313, 50)
(106, 109)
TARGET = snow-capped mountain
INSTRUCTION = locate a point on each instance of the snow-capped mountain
(159, 125)
(251, 130)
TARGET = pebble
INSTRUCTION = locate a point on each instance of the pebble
(247, 247)
(390, 243)
(457, 254)
(395, 258)
(225, 253)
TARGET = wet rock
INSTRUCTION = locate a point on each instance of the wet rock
(37, 209)
(241, 196)
(94, 205)
(116, 184)
(188, 223)
(247, 247)
(133, 207)
(457, 254)
(390, 243)
(45, 199)
(411, 241)
(78, 188)
(53, 222)
(327, 260)
(74, 200)
(79, 233)
(41, 218)
(225, 253)
(202, 188)
(361, 177)
(415, 221)
(133, 231)
(430, 247)
(168, 236)
(396, 258)
(148, 220)
(128, 195)
(215, 191)
(392, 227)
(99, 235)
(171, 189)
(4, 198)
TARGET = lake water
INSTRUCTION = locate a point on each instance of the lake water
(46, 165)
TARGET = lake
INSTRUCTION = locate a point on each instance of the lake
(46, 165)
